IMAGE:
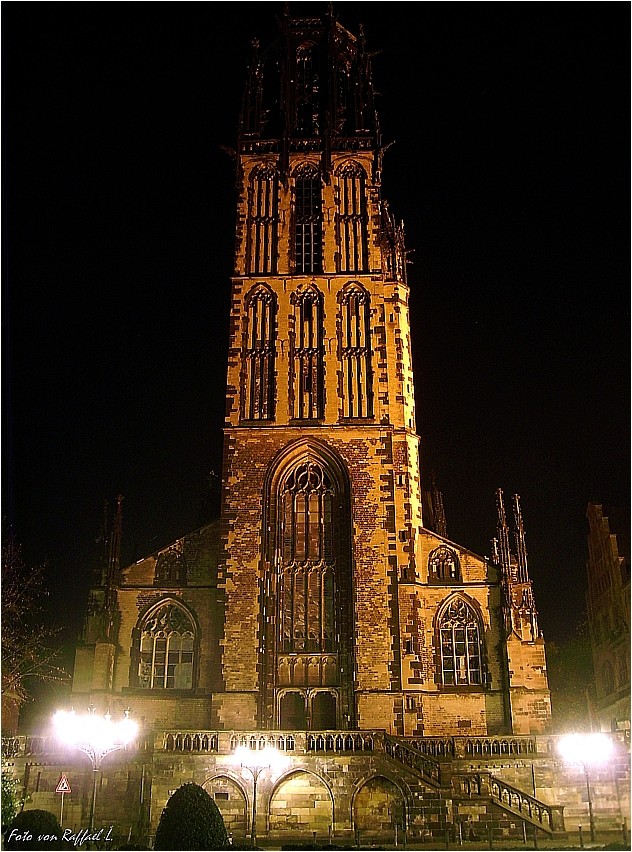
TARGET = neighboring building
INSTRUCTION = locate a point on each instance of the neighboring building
(608, 602)
(401, 675)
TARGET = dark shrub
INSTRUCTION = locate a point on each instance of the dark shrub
(191, 820)
(38, 824)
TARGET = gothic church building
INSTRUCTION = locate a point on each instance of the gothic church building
(320, 601)
(319, 613)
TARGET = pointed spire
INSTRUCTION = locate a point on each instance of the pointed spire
(502, 533)
(438, 510)
(117, 533)
(114, 564)
(521, 550)
(102, 543)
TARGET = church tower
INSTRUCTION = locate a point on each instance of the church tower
(322, 503)
(319, 601)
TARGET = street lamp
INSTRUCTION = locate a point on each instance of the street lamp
(95, 736)
(255, 761)
(587, 750)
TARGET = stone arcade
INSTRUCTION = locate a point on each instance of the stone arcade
(402, 676)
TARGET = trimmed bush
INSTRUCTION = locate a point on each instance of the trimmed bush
(42, 827)
(191, 820)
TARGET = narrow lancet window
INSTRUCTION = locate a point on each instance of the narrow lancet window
(351, 219)
(460, 644)
(259, 356)
(307, 572)
(263, 222)
(355, 352)
(308, 221)
(308, 356)
(307, 89)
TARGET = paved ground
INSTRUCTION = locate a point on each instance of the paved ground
(605, 841)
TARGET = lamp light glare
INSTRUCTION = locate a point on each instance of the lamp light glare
(268, 757)
(588, 749)
(92, 733)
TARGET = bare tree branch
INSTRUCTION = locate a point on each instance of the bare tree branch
(28, 651)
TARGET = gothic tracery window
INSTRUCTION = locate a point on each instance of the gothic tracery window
(443, 565)
(259, 356)
(171, 569)
(307, 89)
(263, 221)
(167, 644)
(308, 221)
(307, 587)
(355, 352)
(308, 356)
(351, 219)
(460, 645)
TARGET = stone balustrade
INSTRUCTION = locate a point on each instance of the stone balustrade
(427, 767)
(549, 818)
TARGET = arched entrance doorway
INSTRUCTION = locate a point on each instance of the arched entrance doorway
(292, 712)
(324, 712)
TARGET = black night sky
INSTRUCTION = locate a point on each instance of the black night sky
(510, 169)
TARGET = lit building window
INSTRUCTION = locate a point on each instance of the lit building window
(263, 222)
(259, 356)
(351, 219)
(443, 565)
(460, 645)
(307, 594)
(308, 356)
(355, 352)
(308, 221)
(167, 642)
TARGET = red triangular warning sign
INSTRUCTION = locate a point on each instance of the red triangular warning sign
(63, 786)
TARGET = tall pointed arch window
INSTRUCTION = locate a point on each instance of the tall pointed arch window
(351, 219)
(307, 587)
(308, 356)
(167, 649)
(308, 215)
(307, 89)
(355, 352)
(259, 355)
(460, 645)
(263, 221)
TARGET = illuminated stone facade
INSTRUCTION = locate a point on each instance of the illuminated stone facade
(320, 601)
(400, 673)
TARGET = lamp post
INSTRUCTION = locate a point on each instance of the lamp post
(587, 750)
(96, 736)
(255, 761)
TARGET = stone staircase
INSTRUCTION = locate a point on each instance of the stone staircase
(467, 788)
